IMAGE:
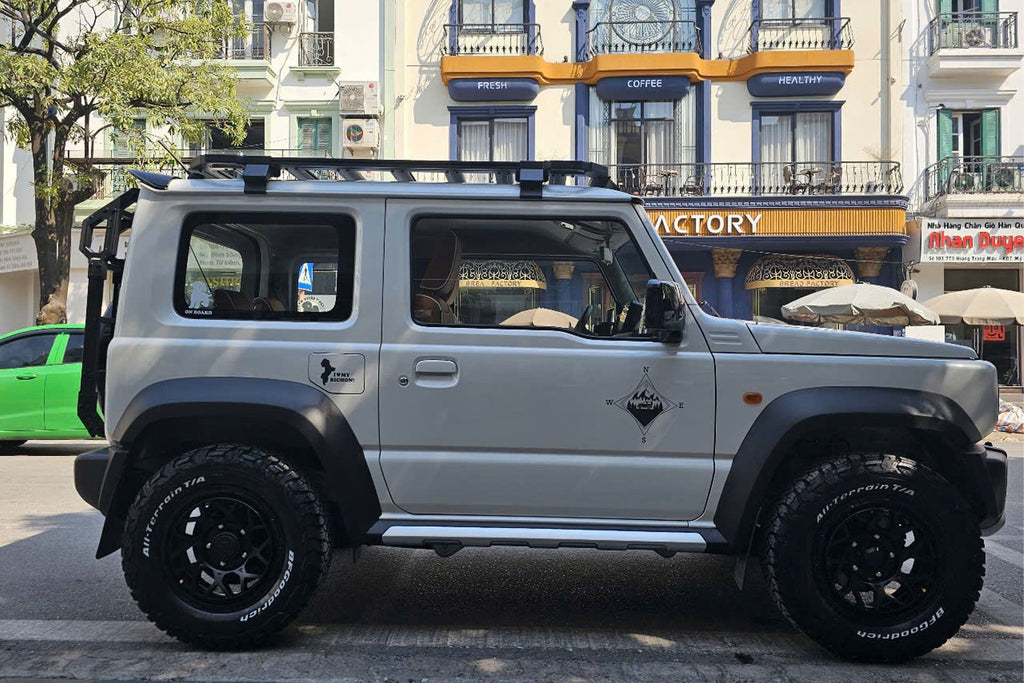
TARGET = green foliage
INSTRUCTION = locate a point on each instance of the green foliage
(76, 67)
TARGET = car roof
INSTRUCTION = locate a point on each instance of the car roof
(44, 328)
(393, 190)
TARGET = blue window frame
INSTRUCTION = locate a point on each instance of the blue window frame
(492, 133)
(760, 110)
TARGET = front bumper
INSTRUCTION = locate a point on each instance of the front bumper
(988, 471)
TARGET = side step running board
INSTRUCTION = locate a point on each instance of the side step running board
(450, 538)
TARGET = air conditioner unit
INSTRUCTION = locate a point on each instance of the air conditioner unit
(359, 98)
(360, 134)
(280, 12)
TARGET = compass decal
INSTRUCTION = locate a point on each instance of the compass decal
(645, 403)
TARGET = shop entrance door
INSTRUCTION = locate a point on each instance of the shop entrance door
(999, 345)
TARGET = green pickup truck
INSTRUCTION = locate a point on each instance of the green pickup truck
(40, 371)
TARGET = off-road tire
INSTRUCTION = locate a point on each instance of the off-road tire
(248, 483)
(11, 444)
(812, 528)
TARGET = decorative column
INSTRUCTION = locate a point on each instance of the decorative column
(581, 91)
(869, 262)
(725, 261)
(563, 285)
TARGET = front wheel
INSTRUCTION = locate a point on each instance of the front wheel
(875, 557)
(224, 546)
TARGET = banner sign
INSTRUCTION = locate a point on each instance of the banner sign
(17, 253)
(970, 240)
(796, 84)
(633, 88)
(755, 222)
(493, 89)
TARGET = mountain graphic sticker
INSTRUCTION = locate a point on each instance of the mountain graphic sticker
(645, 403)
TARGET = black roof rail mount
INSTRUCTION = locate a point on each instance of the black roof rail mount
(256, 171)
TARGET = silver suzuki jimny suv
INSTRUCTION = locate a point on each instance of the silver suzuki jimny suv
(298, 355)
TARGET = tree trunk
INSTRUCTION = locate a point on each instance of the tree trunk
(55, 216)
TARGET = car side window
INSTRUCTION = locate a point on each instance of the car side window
(26, 352)
(73, 351)
(267, 266)
(586, 275)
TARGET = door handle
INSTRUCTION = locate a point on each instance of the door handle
(27, 376)
(434, 366)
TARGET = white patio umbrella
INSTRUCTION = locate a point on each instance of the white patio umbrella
(982, 306)
(540, 317)
(859, 304)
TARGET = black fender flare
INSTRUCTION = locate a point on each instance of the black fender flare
(251, 404)
(795, 414)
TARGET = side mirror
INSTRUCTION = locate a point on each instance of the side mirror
(663, 311)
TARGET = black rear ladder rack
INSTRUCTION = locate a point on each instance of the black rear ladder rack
(116, 219)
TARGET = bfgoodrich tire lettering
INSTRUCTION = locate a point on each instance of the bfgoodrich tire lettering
(224, 546)
(874, 556)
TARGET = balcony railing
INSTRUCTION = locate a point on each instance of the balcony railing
(975, 175)
(761, 179)
(620, 37)
(811, 33)
(255, 45)
(972, 30)
(492, 39)
(316, 49)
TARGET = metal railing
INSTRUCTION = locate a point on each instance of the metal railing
(803, 33)
(619, 37)
(492, 39)
(972, 30)
(974, 175)
(316, 49)
(255, 45)
(760, 179)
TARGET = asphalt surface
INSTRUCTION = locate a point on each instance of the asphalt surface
(501, 614)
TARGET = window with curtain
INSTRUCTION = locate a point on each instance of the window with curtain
(492, 11)
(315, 135)
(122, 142)
(792, 9)
(650, 145)
(497, 139)
(793, 144)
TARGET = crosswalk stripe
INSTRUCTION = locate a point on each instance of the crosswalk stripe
(315, 637)
(1002, 610)
(1005, 554)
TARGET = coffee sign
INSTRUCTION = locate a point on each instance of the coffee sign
(996, 240)
(634, 88)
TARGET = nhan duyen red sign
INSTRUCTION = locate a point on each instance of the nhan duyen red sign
(967, 240)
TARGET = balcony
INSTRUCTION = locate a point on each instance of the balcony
(977, 182)
(639, 37)
(492, 39)
(250, 55)
(974, 43)
(759, 180)
(316, 49)
(814, 33)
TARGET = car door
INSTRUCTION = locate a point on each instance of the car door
(483, 419)
(63, 377)
(22, 380)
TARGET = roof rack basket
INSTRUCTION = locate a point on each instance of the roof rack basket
(531, 176)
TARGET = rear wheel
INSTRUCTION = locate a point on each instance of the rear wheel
(875, 557)
(224, 546)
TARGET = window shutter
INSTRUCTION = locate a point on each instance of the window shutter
(989, 5)
(990, 132)
(307, 134)
(945, 133)
(323, 134)
(946, 6)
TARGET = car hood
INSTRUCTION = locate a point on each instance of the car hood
(816, 341)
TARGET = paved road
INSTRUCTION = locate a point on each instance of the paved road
(497, 614)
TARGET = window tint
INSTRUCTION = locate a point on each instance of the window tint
(26, 352)
(527, 273)
(73, 351)
(249, 266)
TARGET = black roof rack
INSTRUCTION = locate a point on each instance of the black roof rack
(531, 176)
